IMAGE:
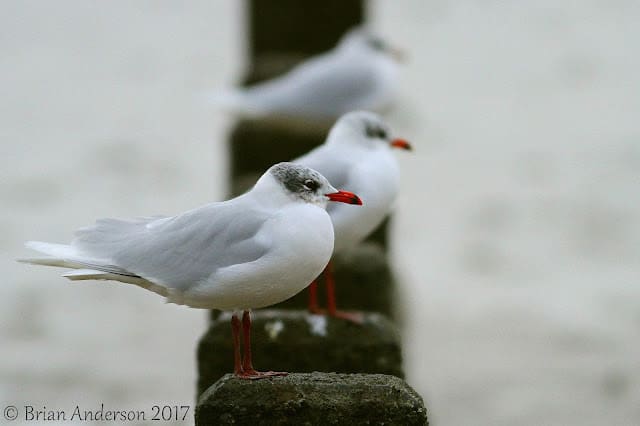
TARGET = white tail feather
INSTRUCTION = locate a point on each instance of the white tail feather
(86, 274)
(91, 274)
(63, 255)
(52, 249)
(48, 261)
(67, 256)
(234, 101)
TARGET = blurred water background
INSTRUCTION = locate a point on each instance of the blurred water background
(516, 237)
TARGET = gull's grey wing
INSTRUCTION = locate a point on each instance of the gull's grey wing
(181, 251)
(327, 86)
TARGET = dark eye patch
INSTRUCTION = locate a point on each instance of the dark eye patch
(376, 132)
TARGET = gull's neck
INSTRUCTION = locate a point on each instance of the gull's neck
(347, 139)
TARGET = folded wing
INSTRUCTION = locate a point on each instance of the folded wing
(172, 253)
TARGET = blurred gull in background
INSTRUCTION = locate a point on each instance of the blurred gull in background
(361, 72)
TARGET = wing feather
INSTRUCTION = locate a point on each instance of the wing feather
(327, 86)
(177, 252)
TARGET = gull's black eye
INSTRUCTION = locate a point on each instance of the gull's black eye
(376, 132)
(310, 184)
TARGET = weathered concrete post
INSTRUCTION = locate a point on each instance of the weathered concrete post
(312, 399)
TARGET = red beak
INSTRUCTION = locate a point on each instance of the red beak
(401, 143)
(345, 197)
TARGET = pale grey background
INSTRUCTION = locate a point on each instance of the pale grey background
(517, 233)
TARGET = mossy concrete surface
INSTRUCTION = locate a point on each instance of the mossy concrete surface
(295, 341)
(312, 399)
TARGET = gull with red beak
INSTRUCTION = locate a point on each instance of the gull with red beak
(356, 155)
(252, 251)
(361, 72)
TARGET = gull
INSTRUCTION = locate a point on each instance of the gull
(356, 155)
(361, 72)
(252, 251)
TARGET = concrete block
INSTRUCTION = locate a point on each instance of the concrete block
(295, 341)
(312, 399)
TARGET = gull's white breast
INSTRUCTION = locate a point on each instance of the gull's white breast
(375, 178)
(300, 240)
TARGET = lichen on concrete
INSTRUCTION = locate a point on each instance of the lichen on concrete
(312, 399)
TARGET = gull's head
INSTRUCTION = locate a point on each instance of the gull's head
(364, 130)
(360, 39)
(307, 185)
